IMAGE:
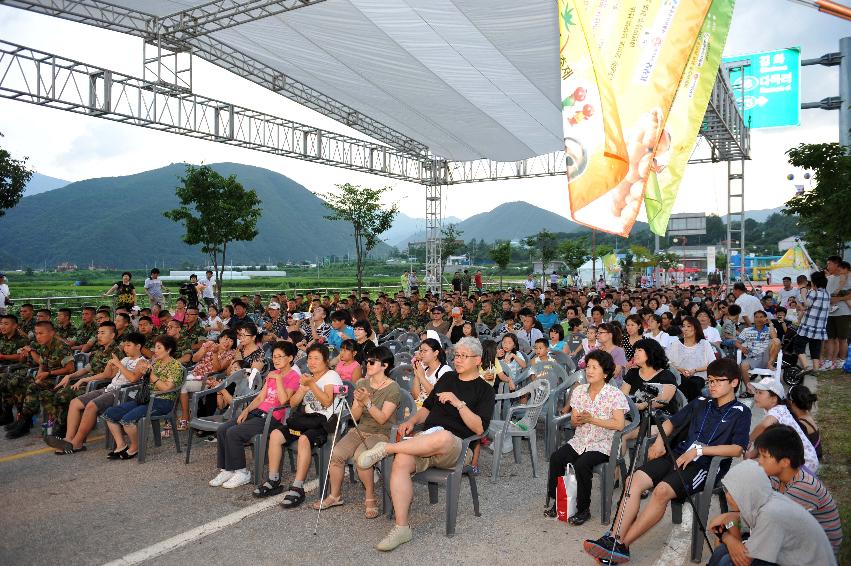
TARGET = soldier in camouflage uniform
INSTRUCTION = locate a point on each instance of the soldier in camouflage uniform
(183, 352)
(54, 360)
(87, 329)
(97, 369)
(64, 329)
(391, 319)
(26, 320)
(406, 318)
(487, 315)
(150, 333)
(12, 387)
(192, 331)
(101, 316)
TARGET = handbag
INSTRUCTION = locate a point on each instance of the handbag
(143, 396)
(566, 494)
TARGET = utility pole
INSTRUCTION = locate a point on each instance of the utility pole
(593, 257)
(842, 59)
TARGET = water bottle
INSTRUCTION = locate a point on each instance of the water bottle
(48, 427)
(520, 424)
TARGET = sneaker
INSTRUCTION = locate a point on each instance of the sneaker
(397, 536)
(239, 477)
(607, 548)
(223, 476)
(827, 365)
(369, 458)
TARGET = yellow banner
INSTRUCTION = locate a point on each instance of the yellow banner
(687, 113)
(621, 63)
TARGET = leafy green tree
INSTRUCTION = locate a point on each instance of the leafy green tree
(451, 242)
(501, 254)
(215, 211)
(362, 208)
(574, 253)
(826, 228)
(546, 245)
(14, 177)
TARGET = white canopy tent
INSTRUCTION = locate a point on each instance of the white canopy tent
(468, 79)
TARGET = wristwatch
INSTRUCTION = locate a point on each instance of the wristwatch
(368, 405)
(699, 449)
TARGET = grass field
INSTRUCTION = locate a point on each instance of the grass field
(834, 418)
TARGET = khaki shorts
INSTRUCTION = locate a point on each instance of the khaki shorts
(443, 461)
(350, 446)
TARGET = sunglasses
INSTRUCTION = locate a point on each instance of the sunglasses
(373, 362)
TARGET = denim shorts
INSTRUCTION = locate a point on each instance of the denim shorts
(131, 411)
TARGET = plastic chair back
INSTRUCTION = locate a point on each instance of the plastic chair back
(403, 375)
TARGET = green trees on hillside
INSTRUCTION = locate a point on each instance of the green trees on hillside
(362, 208)
(14, 177)
(215, 211)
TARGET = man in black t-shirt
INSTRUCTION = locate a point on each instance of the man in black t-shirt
(459, 406)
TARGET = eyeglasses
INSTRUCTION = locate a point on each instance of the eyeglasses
(373, 362)
(464, 356)
(716, 381)
(279, 356)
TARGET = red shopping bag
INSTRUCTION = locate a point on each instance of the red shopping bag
(566, 495)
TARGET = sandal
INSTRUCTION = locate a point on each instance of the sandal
(182, 424)
(268, 489)
(117, 454)
(370, 511)
(335, 502)
(293, 498)
(70, 450)
(166, 431)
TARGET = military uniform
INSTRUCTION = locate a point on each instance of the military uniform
(390, 322)
(67, 332)
(85, 333)
(54, 355)
(490, 319)
(13, 384)
(150, 338)
(99, 357)
(27, 327)
(193, 334)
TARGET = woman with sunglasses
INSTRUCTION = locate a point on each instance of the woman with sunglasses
(374, 411)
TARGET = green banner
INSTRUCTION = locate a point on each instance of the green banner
(686, 115)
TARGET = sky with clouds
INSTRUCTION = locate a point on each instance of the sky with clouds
(73, 147)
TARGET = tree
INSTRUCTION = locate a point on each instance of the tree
(826, 228)
(450, 242)
(14, 177)
(501, 254)
(361, 207)
(215, 211)
(546, 245)
(574, 253)
(665, 260)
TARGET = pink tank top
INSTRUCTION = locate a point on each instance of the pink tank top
(346, 369)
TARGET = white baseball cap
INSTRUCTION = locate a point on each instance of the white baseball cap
(771, 384)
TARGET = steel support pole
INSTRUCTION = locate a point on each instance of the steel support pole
(845, 92)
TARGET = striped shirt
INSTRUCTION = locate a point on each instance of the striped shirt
(814, 323)
(806, 490)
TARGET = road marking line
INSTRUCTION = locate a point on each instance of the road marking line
(37, 451)
(192, 535)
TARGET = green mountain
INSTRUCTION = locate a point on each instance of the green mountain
(509, 221)
(118, 222)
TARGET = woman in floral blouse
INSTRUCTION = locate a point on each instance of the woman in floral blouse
(166, 374)
(597, 411)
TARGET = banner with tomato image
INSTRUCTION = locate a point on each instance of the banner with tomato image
(621, 64)
(687, 113)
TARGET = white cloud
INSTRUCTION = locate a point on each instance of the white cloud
(77, 147)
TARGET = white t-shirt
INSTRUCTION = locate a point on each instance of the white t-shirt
(833, 285)
(711, 334)
(663, 338)
(786, 295)
(4, 294)
(432, 379)
(784, 417)
(530, 283)
(691, 357)
(120, 380)
(208, 284)
(312, 404)
(750, 305)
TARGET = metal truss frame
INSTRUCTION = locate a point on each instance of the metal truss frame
(149, 27)
(36, 77)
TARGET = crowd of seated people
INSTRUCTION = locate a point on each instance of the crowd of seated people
(304, 346)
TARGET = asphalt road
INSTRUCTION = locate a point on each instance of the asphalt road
(83, 509)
